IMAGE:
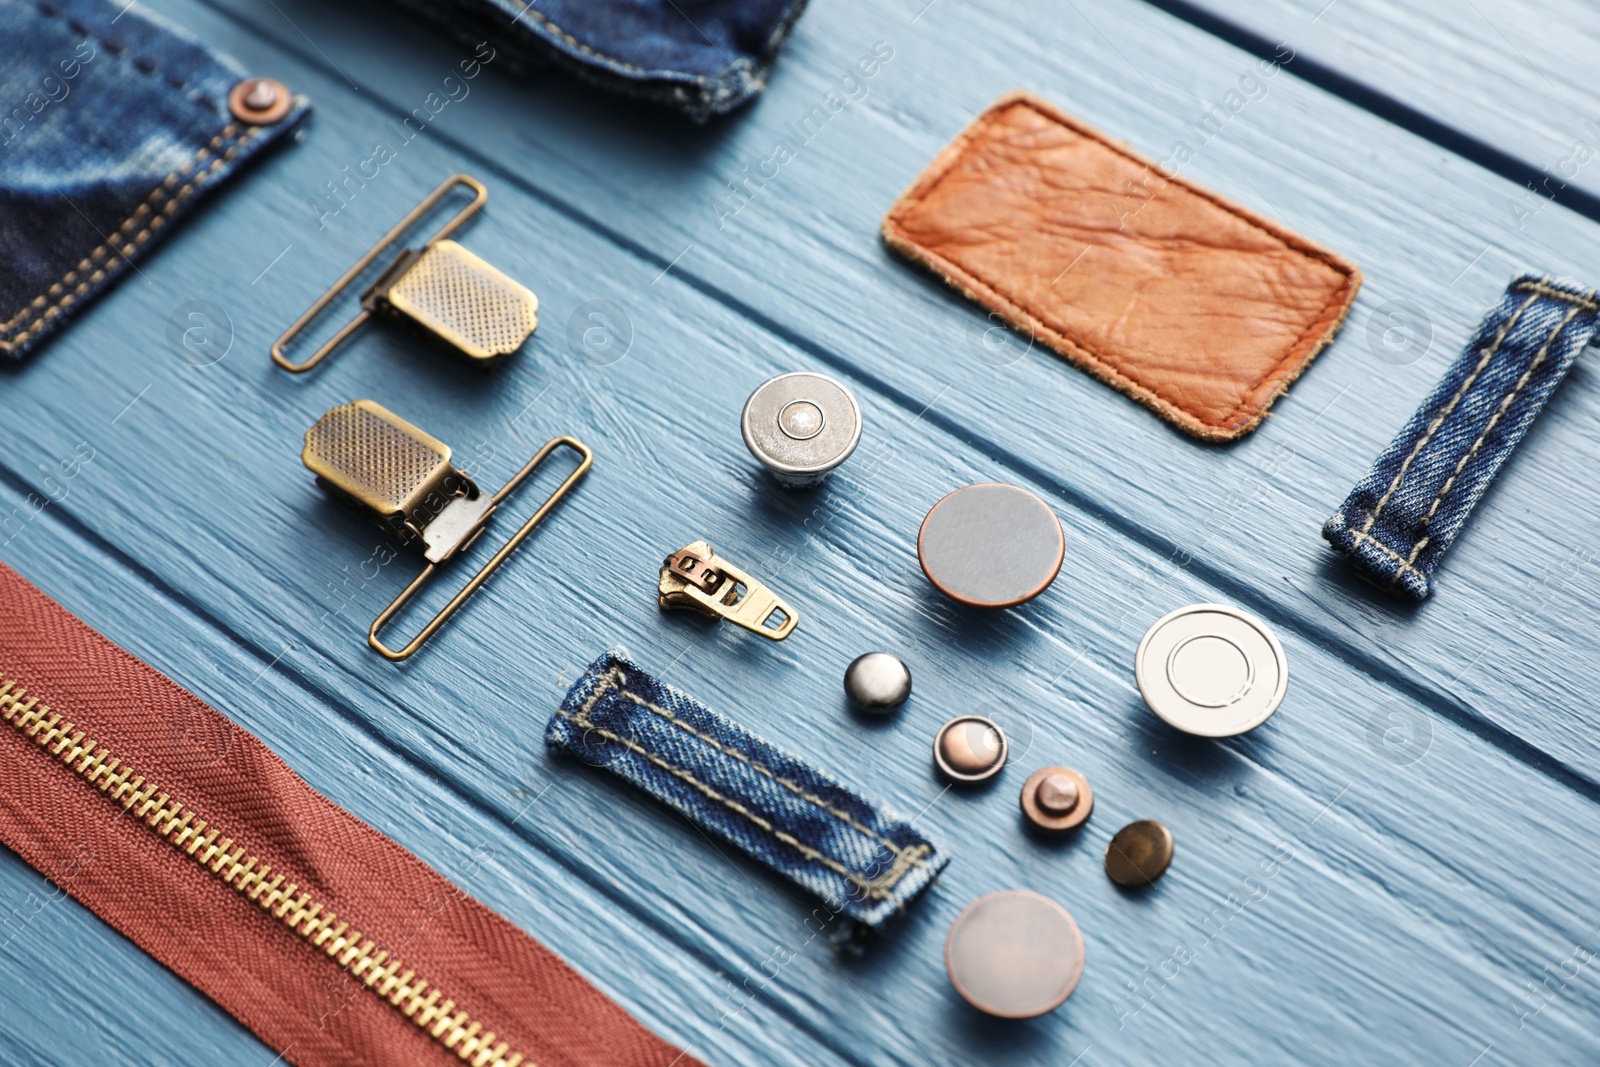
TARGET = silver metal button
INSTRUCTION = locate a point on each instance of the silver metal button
(877, 681)
(970, 748)
(1014, 954)
(1211, 670)
(801, 426)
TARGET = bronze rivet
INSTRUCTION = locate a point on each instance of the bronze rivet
(1140, 853)
(1057, 798)
(260, 101)
(1014, 954)
(970, 748)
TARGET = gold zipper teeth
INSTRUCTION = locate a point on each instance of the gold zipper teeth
(223, 857)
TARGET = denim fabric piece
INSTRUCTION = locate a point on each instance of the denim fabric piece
(703, 57)
(863, 861)
(112, 126)
(1397, 524)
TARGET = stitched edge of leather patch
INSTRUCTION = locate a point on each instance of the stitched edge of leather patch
(1250, 411)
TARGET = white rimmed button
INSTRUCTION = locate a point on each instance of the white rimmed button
(1211, 670)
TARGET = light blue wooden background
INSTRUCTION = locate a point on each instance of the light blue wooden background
(1424, 900)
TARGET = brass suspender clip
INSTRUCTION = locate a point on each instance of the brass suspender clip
(404, 477)
(441, 289)
(696, 578)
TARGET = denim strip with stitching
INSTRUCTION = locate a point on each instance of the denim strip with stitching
(1397, 524)
(114, 125)
(866, 863)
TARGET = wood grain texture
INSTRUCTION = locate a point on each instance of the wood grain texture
(1415, 903)
(1491, 80)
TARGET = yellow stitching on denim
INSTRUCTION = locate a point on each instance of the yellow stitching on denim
(1405, 567)
(66, 299)
(811, 798)
(1499, 413)
(1586, 302)
(880, 888)
(1433, 427)
(700, 79)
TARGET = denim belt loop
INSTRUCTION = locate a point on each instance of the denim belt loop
(1396, 525)
(863, 861)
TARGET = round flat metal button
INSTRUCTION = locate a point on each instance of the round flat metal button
(1139, 853)
(801, 426)
(970, 748)
(877, 681)
(991, 545)
(260, 101)
(1057, 798)
(1014, 954)
(1211, 670)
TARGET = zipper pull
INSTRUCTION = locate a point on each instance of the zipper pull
(697, 579)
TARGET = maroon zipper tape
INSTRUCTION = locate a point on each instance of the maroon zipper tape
(159, 815)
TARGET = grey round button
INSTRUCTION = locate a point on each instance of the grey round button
(877, 681)
(801, 426)
(1211, 670)
(1014, 954)
(991, 545)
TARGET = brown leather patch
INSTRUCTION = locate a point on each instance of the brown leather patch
(1191, 304)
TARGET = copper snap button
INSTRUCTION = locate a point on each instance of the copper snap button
(1057, 798)
(1140, 853)
(260, 101)
(1014, 954)
(970, 748)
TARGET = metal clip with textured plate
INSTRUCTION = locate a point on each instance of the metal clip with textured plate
(442, 290)
(696, 578)
(404, 477)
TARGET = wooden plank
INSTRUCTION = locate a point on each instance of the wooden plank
(1393, 871)
(1426, 227)
(1492, 82)
(1409, 919)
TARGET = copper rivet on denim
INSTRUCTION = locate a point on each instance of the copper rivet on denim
(260, 101)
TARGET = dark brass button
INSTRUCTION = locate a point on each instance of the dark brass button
(970, 748)
(1014, 954)
(1057, 798)
(260, 101)
(991, 545)
(877, 681)
(1139, 853)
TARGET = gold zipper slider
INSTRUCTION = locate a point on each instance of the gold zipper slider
(697, 579)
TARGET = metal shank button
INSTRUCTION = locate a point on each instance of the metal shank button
(991, 545)
(1211, 670)
(970, 748)
(1139, 853)
(1057, 798)
(877, 681)
(801, 426)
(1014, 954)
